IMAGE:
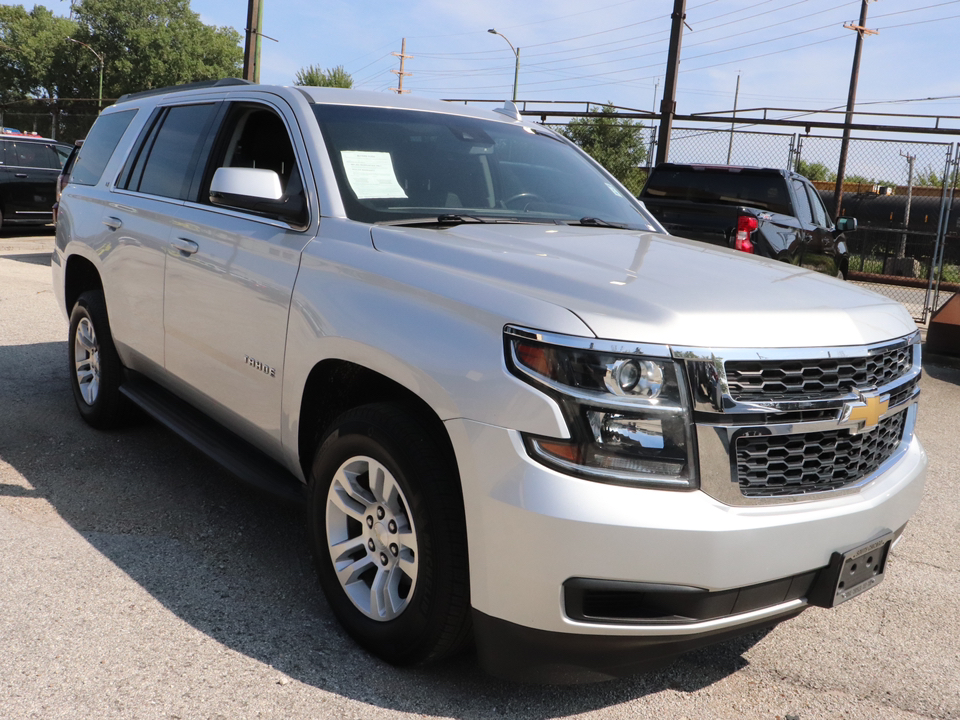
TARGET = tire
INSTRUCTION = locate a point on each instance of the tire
(385, 511)
(95, 368)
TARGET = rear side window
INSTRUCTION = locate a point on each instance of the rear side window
(33, 155)
(168, 155)
(819, 211)
(99, 146)
(803, 202)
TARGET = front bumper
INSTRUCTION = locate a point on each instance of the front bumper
(532, 529)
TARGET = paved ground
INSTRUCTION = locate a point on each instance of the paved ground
(138, 580)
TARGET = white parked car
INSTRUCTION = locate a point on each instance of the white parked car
(519, 413)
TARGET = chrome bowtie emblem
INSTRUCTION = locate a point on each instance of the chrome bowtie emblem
(866, 412)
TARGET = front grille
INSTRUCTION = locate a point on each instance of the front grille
(812, 379)
(780, 465)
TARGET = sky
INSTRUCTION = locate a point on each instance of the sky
(789, 53)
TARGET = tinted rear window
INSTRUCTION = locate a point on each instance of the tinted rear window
(32, 155)
(99, 146)
(767, 192)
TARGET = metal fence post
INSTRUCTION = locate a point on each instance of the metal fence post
(946, 222)
(936, 247)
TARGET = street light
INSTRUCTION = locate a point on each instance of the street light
(100, 58)
(516, 53)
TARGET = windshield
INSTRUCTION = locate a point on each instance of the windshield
(402, 165)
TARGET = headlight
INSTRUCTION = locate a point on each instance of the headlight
(627, 413)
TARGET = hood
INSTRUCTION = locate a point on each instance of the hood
(645, 287)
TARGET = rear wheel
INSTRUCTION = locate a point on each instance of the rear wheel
(95, 368)
(388, 536)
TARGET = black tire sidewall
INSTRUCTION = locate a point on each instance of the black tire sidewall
(106, 410)
(411, 637)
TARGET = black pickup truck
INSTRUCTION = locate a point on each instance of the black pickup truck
(764, 211)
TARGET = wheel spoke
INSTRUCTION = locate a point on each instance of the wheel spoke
(347, 478)
(380, 605)
(86, 338)
(343, 551)
(347, 502)
(407, 540)
(407, 564)
(351, 573)
(378, 479)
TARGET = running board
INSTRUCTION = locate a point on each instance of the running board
(229, 450)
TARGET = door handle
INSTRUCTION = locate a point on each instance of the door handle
(20, 175)
(113, 223)
(186, 247)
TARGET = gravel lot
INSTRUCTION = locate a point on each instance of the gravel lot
(138, 580)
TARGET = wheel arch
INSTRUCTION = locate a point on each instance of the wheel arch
(80, 275)
(335, 386)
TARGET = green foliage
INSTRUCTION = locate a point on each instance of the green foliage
(145, 44)
(816, 171)
(864, 180)
(316, 76)
(34, 52)
(930, 178)
(154, 43)
(616, 143)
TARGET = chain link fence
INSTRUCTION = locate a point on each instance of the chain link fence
(907, 245)
(63, 120)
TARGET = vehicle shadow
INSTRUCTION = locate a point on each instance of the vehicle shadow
(945, 373)
(31, 258)
(235, 565)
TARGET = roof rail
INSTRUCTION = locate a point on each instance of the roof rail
(186, 86)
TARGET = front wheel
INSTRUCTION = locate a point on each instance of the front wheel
(387, 532)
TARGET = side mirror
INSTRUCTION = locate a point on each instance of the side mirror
(258, 191)
(846, 224)
(231, 184)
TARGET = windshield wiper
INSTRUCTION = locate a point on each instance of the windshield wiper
(459, 219)
(437, 220)
(599, 222)
(454, 219)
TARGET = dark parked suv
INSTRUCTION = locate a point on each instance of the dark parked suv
(29, 167)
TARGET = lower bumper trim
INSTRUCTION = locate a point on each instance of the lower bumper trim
(524, 654)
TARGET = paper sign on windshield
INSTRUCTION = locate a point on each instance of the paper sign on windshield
(371, 175)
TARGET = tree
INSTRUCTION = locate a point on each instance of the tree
(931, 178)
(616, 143)
(33, 52)
(152, 43)
(816, 171)
(316, 76)
(145, 44)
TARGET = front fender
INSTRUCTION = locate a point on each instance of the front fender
(438, 334)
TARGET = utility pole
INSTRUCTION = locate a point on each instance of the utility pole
(736, 96)
(668, 106)
(653, 126)
(862, 30)
(902, 251)
(400, 73)
(251, 48)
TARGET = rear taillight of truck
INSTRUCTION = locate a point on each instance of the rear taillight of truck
(746, 226)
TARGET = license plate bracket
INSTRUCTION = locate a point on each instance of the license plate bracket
(851, 573)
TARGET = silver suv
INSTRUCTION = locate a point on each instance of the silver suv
(516, 410)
